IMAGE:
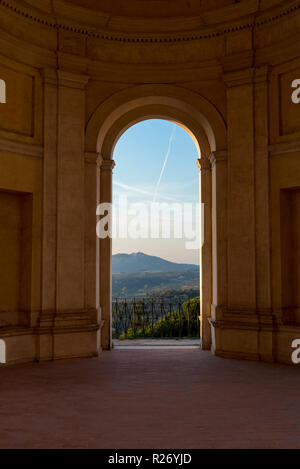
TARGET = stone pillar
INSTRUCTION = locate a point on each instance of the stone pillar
(106, 168)
(68, 325)
(205, 252)
(91, 262)
(244, 329)
(218, 160)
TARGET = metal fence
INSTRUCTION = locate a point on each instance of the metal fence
(155, 318)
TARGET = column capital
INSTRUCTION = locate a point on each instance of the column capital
(49, 76)
(261, 74)
(72, 80)
(245, 76)
(218, 157)
(204, 164)
(91, 157)
(238, 61)
(72, 63)
(106, 165)
(239, 77)
(95, 158)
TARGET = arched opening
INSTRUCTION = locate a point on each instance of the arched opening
(157, 235)
(108, 123)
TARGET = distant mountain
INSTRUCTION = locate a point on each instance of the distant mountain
(140, 262)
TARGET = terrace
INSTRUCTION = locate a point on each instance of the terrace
(154, 398)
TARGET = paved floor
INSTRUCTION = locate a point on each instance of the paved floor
(160, 398)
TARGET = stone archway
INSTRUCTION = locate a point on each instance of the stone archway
(206, 126)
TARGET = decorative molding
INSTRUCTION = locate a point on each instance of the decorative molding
(25, 149)
(99, 160)
(91, 157)
(284, 148)
(239, 77)
(204, 164)
(261, 74)
(49, 76)
(239, 70)
(218, 157)
(255, 325)
(248, 23)
(155, 73)
(72, 62)
(238, 61)
(72, 80)
(107, 165)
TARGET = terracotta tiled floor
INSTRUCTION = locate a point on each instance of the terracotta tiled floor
(150, 399)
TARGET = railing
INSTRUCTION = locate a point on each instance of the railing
(155, 318)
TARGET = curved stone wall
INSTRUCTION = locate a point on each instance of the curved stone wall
(74, 78)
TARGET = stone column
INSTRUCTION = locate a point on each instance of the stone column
(218, 160)
(91, 262)
(68, 325)
(205, 252)
(106, 168)
(239, 329)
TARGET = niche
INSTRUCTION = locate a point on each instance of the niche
(290, 254)
(15, 258)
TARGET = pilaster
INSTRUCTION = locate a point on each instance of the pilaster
(241, 190)
(204, 166)
(49, 191)
(106, 169)
(70, 191)
(218, 162)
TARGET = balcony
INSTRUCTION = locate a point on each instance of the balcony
(156, 321)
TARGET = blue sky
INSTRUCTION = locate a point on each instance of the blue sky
(156, 159)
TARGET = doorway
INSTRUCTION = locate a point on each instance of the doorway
(157, 235)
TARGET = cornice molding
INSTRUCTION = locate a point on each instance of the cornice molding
(218, 157)
(155, 73)
(49, 76)
(239, 77)
(25, 149)
(283, 148)
(72, 80)
(72, 62)
(209, 32)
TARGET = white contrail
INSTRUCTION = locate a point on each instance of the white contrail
(141, 191)
(164, 164)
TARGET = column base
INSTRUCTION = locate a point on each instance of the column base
(253, 336)
(58, 336)
(244, 335)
